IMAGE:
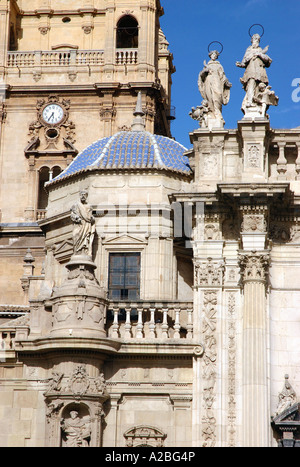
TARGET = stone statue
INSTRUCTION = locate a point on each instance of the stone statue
(76, 431)
(84, 225)
(200, 113)
(214, 87)
(255, 80)
(287, 397)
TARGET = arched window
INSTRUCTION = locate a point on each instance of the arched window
(127, 33)
(45, 174)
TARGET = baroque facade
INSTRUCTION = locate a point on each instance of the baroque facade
(149, 293)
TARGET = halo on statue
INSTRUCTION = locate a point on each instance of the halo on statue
(261, 27)
(215, 42)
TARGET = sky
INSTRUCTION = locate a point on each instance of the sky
(191, 25)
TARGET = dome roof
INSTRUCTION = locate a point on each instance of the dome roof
(130, 150)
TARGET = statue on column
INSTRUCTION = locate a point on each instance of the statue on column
(214, 87)
(84, 225)
(255, 81)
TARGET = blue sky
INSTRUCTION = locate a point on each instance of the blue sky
(190, 25)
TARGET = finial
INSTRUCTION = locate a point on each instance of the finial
(138, 121)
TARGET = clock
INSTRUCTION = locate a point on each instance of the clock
(53, 114)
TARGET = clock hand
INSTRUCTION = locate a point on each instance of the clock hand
(52, 115)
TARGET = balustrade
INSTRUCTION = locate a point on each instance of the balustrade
(7, 340)
(126, 56)
(55, 58)
(141, 320)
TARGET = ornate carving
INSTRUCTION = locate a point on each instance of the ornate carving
(287, 397)
(54, 385)
(209, 367)
(231, 369)
(44, 30)
(144, 436)
(87, 28)
(253, 158)
(254, 223)
(209, 273)
(76, 430)
(40, 130)
(79, 382)
(254, 266)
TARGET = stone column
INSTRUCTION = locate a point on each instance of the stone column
(254, 264)
(208, 283)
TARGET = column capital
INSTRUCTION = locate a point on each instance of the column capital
(254, 266)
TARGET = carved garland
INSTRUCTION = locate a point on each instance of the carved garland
(209, 368)
(231, 369)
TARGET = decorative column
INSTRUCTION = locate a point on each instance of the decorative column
(208, 283)
(254, 265)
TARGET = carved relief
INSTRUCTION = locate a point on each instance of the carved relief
(210, 164)
(253, 157)
(254, 223)
(75, 408)
(287, 397)
(209, 273)
(76, 430)
(47, 130)
(254, 266)
(144, 436)
(209, 367)
(231, 369)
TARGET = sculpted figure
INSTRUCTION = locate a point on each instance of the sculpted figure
(76, 431)
(214, 86)
(84, 225)
(255, 62)
(287, 397)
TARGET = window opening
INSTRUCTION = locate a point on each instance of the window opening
(127, 33)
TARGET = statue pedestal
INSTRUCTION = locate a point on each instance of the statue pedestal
(79, 305)
(215, 123)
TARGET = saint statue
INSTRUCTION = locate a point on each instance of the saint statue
(84, 225)
(287, 397)
(76, 431)
(255, 80)
(214, 87)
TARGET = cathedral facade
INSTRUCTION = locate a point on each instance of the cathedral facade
(149, 293)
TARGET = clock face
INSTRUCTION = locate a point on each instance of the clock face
(53, 114)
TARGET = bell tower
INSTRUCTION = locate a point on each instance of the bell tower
(70, 73)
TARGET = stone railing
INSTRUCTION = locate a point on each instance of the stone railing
(126, 56)
(7, 339)
(150, 320)
(55, 58)
(41, 214)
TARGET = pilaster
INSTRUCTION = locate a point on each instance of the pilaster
(254, 265)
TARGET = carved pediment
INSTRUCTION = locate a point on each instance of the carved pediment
(124, 239)
(289, 417)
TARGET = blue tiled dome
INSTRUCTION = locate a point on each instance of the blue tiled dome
(130, 150)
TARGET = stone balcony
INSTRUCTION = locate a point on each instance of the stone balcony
(150, 320)
(130, 327)
(22, 65)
